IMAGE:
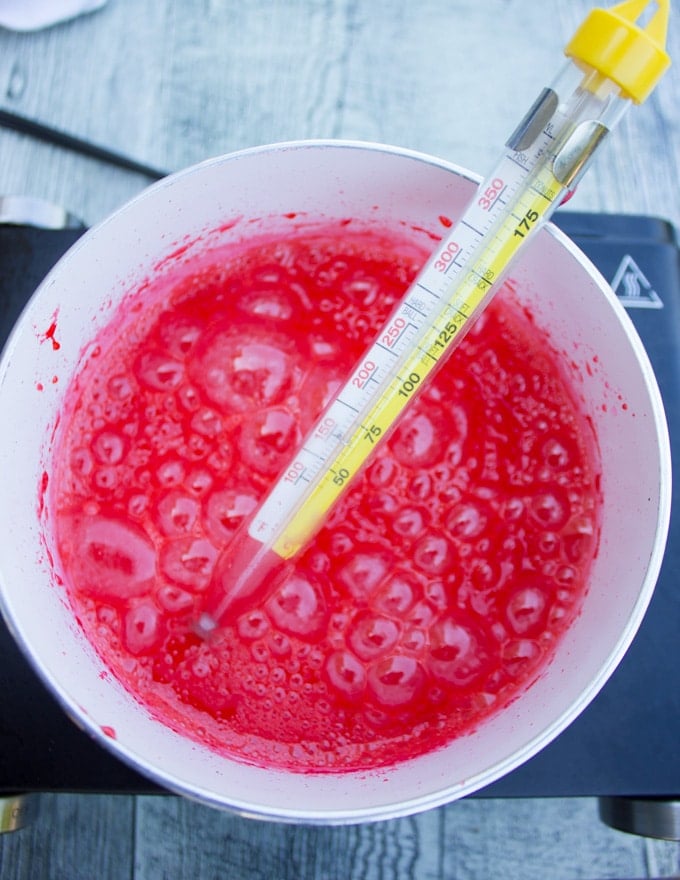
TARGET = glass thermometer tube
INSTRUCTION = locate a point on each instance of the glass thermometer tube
(543, 160)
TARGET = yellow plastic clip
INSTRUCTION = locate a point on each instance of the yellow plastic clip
(634, 57)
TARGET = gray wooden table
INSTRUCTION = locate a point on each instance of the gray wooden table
(172, 82)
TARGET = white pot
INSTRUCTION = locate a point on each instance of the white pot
(568, 298)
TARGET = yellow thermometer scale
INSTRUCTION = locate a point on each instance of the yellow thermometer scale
(613, 61)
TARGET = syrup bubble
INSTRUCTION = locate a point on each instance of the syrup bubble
(410, 522)
(106, 478)
(556, 454)
(326, 350)
(372, 636)
(420, 487)
(158, 371)
(396, 680)
(174, 599)
(252, 625)
(137, 505)
(201, 667)
(467, 520)
(225, 512)
(362, 289)
(484, 573)
(548, 544)
(318, 562)
(346, 673)
(279, 645)
(417, 441)
(512, 509)
(414, 639)
(526, 610)
(111, 558)
(397, 595)
(177, 514)
(268, 303)
(436, 593)
(277, 675)
(433, 554)
(130, 428)
(578, 540)
(243, 375)
(550, 508)
(120, 387)
(189, 562)
(170, 473)
(383, 471)
(422, 614)
(220, 460)
(196, 448)
(450, 640)
(260, 653)
(268, 440)
(566, 576)
(298, 607)
(362, 575)
(384, 503)
(457, 430)
(455, 652)
(207, 423)
(178, 333)
(189, 397)
(340, 543)
(520, 655)
(141, 630)
(199, 481)
(82, 461)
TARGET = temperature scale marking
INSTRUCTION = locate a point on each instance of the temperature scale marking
(419, 336)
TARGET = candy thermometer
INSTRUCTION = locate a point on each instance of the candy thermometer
(613, 60)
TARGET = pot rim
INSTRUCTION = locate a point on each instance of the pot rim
(535, 744)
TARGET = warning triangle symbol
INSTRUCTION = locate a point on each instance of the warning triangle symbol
(633, 288)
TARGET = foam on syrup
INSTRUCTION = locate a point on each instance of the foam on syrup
(438, 587)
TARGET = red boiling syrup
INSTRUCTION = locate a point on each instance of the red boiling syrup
(440, 585)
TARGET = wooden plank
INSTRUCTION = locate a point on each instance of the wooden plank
(559, 838)
(78, 837)
(556, 838)
(85, 836)
(178, 838)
